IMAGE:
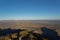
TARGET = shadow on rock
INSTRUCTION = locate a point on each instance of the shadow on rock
(49, 34)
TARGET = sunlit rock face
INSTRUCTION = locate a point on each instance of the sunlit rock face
(4, 38)
(14, 35)
(38, 31)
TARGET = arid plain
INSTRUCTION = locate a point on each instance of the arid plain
(30, 24)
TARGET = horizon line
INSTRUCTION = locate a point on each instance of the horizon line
(32, 19)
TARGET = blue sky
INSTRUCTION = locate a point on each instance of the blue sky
(29, 9)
